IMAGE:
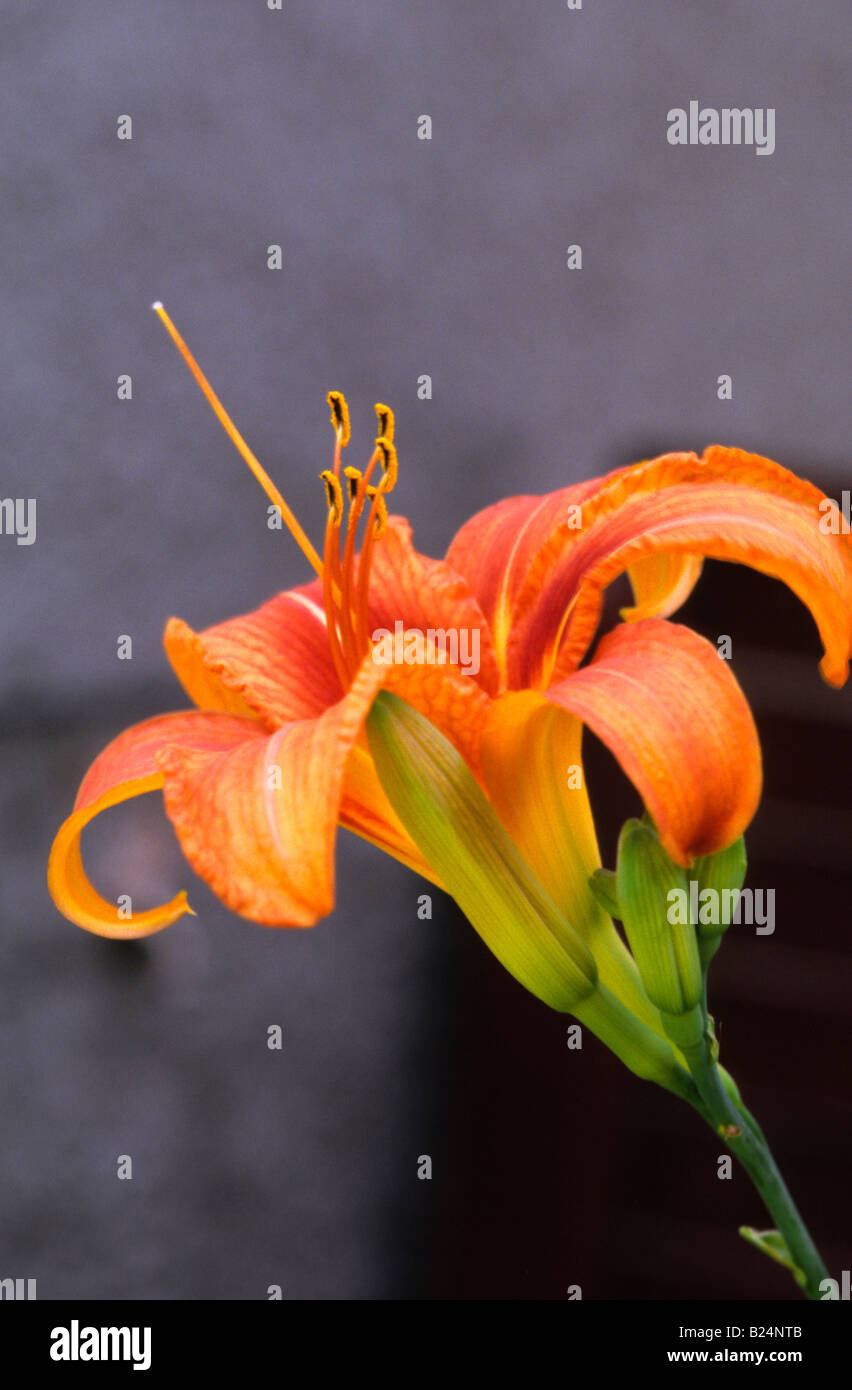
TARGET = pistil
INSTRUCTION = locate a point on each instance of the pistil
(240, 444)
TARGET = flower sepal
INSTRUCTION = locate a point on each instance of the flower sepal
(441, 805)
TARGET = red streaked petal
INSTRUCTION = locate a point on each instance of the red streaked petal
(274, 662)
(452, 702)
(258, 822)
(727, 506)
(494, 549)
(671, 712)
(127, 767)
(186, 652)
(425, 594)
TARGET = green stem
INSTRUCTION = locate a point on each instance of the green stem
(745, 1139)
(647, 1054)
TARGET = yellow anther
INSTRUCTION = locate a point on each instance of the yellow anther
(339, 416)
(384, 415)
(381, 522)
(388, 459)
(334, 496)
(353, 477)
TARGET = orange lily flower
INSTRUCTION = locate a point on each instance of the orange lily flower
(274, 757)
(655, 693)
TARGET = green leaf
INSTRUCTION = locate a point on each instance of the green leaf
(773, 1244)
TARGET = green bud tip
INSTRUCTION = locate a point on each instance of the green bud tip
(650, 888)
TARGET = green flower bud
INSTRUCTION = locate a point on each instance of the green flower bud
(650, 887)
(602, 884)
(724, 874)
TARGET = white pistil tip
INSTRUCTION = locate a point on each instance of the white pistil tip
(158, 304)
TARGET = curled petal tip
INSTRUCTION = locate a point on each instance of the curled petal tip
(125, 769)
(834, 672)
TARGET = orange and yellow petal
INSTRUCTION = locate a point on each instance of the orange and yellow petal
(425, 594)
(661, 584)
(205, 688)
(273, 663)
(533, 773)
(532, 768)
(670, 711)
(366, 811)
(454, 703)
(128, 767)
(494, 549)
(728, 505)
(258, 822)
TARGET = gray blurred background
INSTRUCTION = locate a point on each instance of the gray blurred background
(400, 257)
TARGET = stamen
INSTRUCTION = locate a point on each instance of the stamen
(353, 477)
(353, 648)
(347, 621)
(340, 422)
(378, 511)
(377, 522)
(329, 603)
(334, 497)
(388, 459)
(384, 415)
(240, 444)
(339, 416)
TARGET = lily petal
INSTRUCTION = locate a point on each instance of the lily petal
(257, 822)
(533, 773)
(205, 688)
(366, 811)
(661, 584)
(454, 703)
(273, 663)
(127, 767)
(671, 712)
(494, 549)
(728, 505)
(422, 593)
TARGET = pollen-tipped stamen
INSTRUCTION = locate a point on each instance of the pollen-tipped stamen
(377, 522)
(339, 417)
(355, 480)
(387, 457)
(345, 584)
(331, 586)
(353, 644)
(387, 425)
(334, 497)
(340, 424)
